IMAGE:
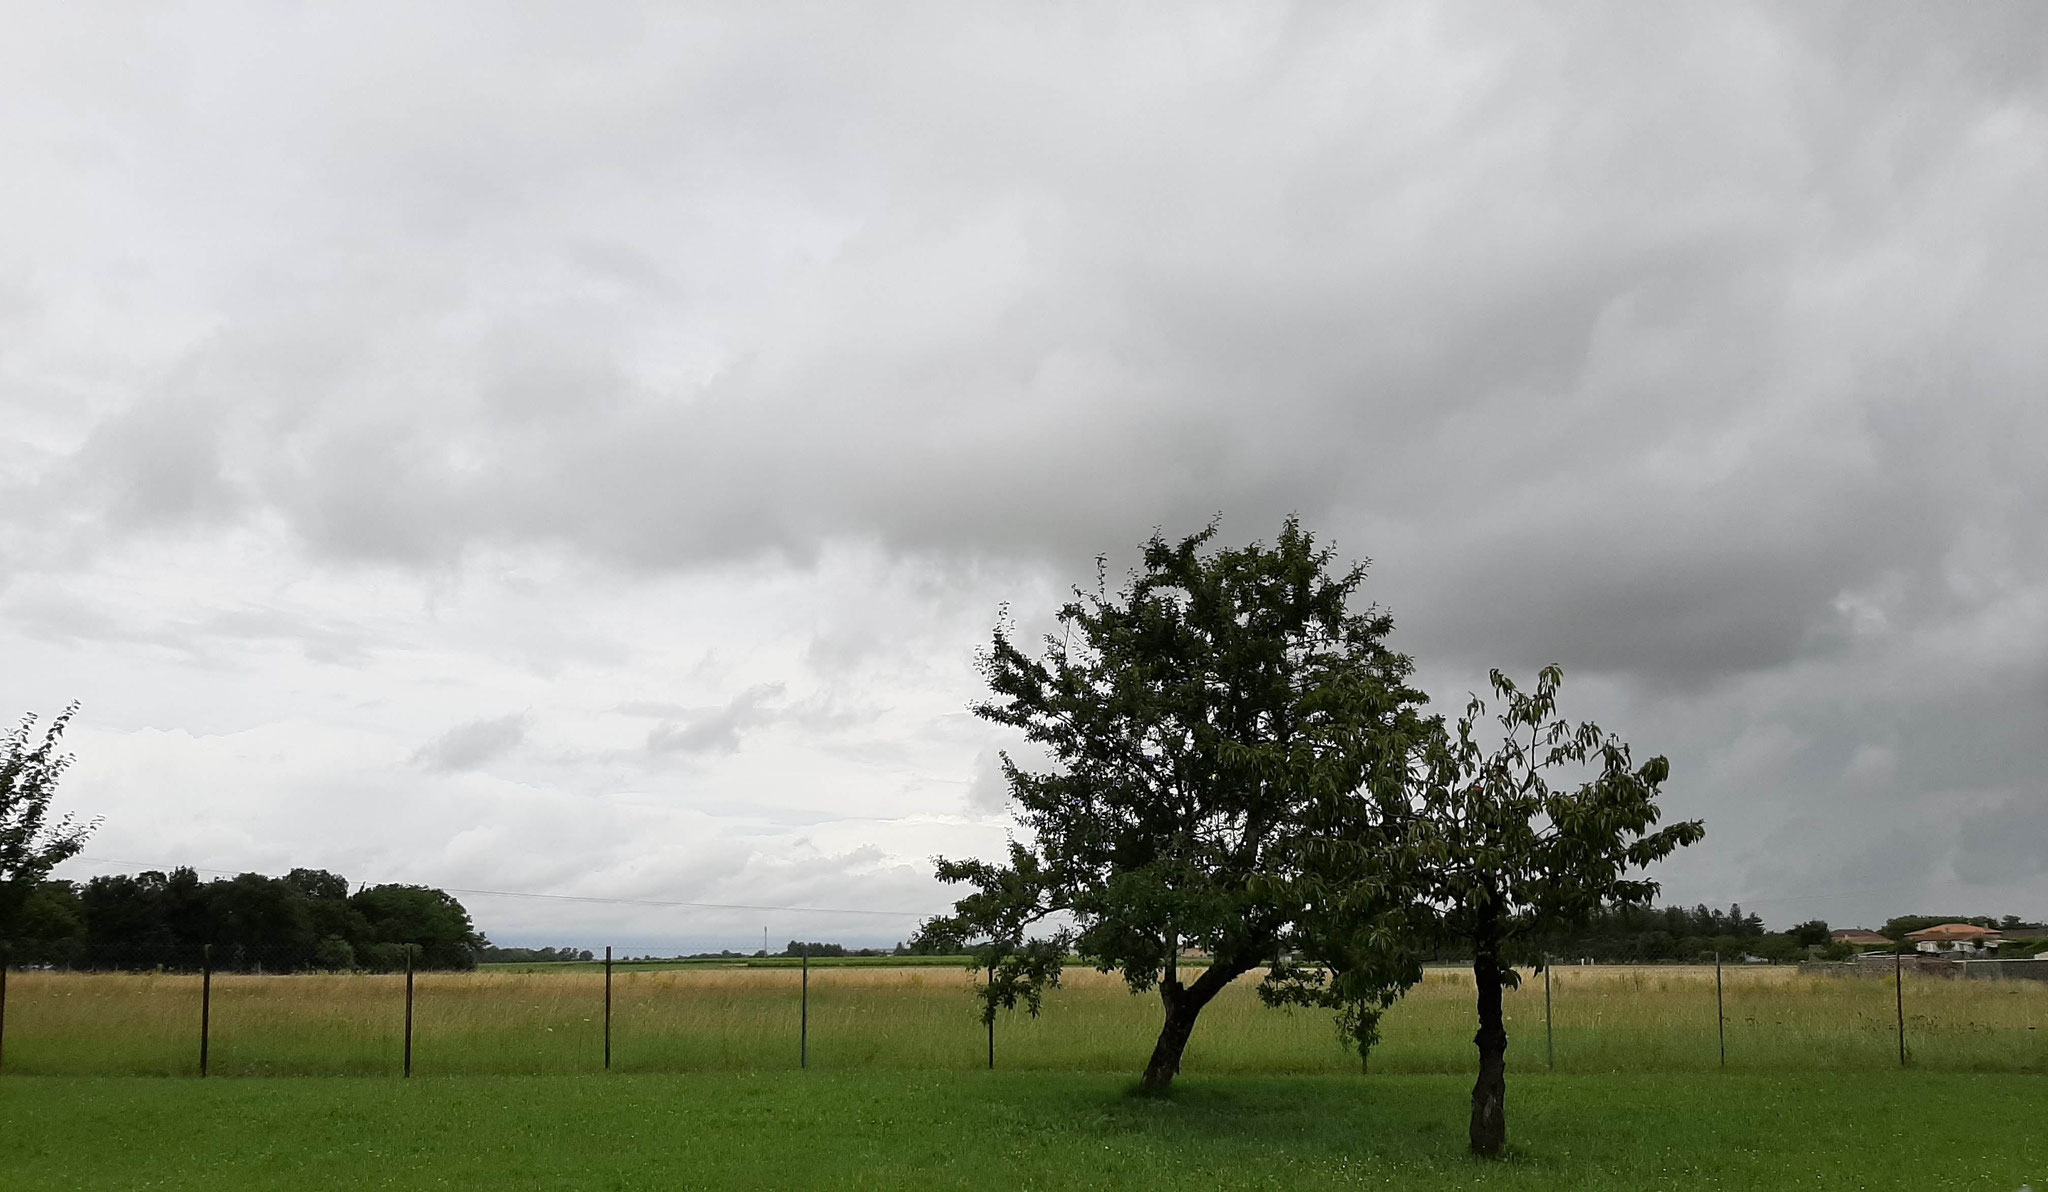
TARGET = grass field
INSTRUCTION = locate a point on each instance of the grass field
(947, 1130)
(923, 1019)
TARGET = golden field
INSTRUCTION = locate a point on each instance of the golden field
(1605, 1019)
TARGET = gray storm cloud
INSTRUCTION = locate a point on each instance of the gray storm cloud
(1698, 353)
(467, 746)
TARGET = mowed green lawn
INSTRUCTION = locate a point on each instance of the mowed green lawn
(988, 1131)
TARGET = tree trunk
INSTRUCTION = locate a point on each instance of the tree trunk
(1183, 1005)
(1490, 1092)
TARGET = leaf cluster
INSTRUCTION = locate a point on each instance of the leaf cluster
(1508, 846)
(30, 843)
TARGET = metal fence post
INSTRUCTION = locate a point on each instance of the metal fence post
(205, 1003)
(1720, 1011)
(990, 1017)
(1899, 984)
(1549, 1043)
(408, 1010)
(607, 1007)
(803, 1029)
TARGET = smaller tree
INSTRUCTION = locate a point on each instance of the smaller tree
(30, 845)
(1513, 858)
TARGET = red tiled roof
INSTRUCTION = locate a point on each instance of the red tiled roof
(1952, 931)
(1859, 936)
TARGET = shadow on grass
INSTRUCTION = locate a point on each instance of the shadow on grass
(1409, 1120)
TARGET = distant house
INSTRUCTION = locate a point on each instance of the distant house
(1964, 939)
(1858, 937)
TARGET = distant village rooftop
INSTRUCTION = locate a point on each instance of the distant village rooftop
(1951, 931)
(1954, 937)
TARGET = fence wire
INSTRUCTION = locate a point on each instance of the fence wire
(181, 1010)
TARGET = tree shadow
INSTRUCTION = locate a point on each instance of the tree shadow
(1405, 1121)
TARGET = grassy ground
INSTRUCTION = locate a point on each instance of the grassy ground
(924, 1019)
(979, 1131)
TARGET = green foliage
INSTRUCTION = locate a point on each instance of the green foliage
(802, 948)
(818, 950)
(335, 955)
(429, 919)
(1210, 727)
(51, 912)
(30, 843)
(492, 954)
(1624, 933)
(1811, 933)
(304, 920)
(936, 937)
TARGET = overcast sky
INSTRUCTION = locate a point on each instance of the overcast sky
(578, 450)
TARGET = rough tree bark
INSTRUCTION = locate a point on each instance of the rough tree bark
(1183, 1005)
(1490, 1092)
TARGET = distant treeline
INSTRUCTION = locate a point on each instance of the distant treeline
(804, 948)
(493, 954)
(306, 920)
(1638, 934)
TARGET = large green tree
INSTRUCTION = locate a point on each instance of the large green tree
(424, 917)
(1514, 848)
(1208, 727)
(31, 844)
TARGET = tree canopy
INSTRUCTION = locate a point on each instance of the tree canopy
(1206, 727)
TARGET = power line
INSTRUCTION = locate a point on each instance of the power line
(582, 898)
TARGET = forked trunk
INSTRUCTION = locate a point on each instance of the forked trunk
(1490, 1092)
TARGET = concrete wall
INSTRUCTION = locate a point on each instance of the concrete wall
(2006, 970)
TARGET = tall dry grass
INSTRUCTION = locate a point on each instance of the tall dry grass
(1604, 1019)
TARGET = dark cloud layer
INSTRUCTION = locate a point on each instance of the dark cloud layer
(1696, 349)
(468, 746)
